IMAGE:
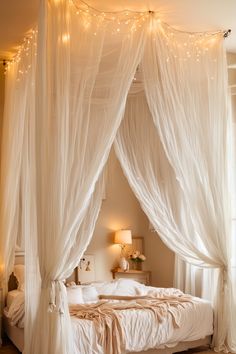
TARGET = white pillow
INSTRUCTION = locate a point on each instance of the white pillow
(90, 294)
(129, 287)
(74, 295)
(19, 272)
(106, 288)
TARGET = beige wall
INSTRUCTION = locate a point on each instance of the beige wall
(121, 209)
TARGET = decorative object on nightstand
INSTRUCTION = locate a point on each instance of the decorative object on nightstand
(142, 276)
(123, 238)
(137, 259)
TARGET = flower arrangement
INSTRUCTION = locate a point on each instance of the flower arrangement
(137, 257)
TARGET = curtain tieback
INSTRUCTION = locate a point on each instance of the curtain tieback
(56, 295)
(224, 270)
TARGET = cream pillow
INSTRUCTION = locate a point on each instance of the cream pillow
(90, 294)
(129, 287)
(74, 295)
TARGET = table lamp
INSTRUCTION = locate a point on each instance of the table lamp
(123, 238)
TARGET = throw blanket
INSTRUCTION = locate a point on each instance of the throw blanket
(106, 319)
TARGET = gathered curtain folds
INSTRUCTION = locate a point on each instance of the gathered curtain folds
(192, 119)
(176, 161)
(81, 85)
(19, 90)
(67, 112)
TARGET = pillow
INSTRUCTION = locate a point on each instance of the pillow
(74, 295)
(89, 293)
(129, 287)
(19, 272)
(106, 288)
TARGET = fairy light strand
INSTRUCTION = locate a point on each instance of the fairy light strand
(134, 19)
(91, 9)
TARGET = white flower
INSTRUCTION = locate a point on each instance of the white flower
(135, 254)
(142, 257)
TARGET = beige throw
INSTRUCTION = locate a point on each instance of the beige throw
(106, 318)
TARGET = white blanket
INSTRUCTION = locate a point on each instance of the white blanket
(142, 331)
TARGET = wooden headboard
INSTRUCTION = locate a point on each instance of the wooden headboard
(12, 283)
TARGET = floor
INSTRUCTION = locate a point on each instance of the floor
(9, 348)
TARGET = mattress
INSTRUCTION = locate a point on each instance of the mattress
(142, 332)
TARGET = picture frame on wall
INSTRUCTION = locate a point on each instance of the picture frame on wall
(86, 271)
(137, 245)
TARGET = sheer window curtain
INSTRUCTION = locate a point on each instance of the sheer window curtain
(81, 84)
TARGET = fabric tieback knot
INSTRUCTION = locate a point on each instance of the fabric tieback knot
(225, 275)
(57, 294)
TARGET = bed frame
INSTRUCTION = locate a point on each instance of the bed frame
(181, 346)
(15, 334)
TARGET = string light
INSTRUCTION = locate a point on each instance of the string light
(179, 44)
(23, 57)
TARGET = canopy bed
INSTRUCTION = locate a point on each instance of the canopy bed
(67, 103)
(124, 316)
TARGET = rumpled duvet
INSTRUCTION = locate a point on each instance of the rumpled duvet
(106, 315)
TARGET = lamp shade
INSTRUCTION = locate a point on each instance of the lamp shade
(123, 237)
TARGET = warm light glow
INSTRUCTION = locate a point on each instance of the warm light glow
(65, 38)
(123, 237)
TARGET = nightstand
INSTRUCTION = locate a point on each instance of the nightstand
(142, 276)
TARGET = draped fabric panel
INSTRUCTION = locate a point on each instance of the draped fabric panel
(202, 282)
(171, 169)
(191, 88)
(81, 84)
(19, 90)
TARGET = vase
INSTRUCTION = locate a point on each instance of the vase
(123, 264)
(137, 266)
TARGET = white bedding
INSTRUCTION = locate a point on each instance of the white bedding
(15, 310)
(142, 332)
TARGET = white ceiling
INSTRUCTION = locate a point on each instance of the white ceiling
(17, 17)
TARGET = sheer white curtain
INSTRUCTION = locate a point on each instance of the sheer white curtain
(185, 84)
(191, 88)
(202, 282)
(82, 84)
(19, 90)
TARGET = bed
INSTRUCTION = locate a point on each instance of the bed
(13, 312)
(142, 333)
